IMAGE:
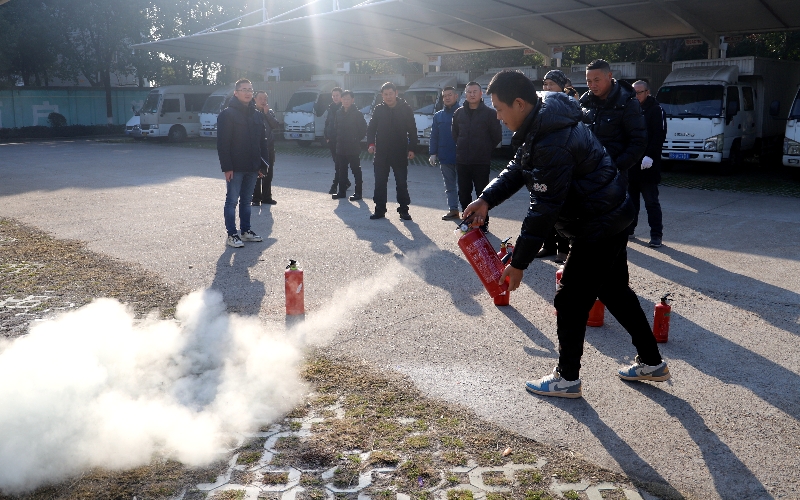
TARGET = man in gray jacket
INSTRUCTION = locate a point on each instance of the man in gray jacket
(477, 132)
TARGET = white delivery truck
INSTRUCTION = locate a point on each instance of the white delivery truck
(173, 111)
(423, 96)
(653, 73)
(718, 109)
(215, 103)
(791, 141)
(304, 118)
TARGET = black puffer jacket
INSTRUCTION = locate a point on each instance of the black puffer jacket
(476, 132)
(241, 137)
(656, 121)
(392, 130)
(350, 129)
(330, 122)
(618, 124)
(574, 185)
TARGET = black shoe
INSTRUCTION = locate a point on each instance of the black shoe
(269, 202)
(378, 215)
(355, 197)
(405, 215)
(339, 195)
(256, 203)
(334, 188)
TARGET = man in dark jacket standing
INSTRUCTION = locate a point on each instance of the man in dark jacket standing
(392, 137)
(263, 191)
(330, 134)
(443, 150)
(243, 148)
(645, 180)
(575, 186)
(477, 132)
(614, 116)
(350, 128)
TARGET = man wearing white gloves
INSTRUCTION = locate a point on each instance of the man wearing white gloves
(443, 150)
(644, 179)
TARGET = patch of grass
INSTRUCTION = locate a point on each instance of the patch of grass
(345, 477)
(418, 442)
(229, 495)
(488, 458)
(495, 479)
(523, 457)
(384, 495)
(309, 480)
(452, 442)
(528, 477)
(248, 457)
(287, 443)
(454, 458)
(453, 479)
(418, 467)
(572, 495)
(295, 426)
(569, 476)
(279, 459)
(316, 494)
(275, 478)
(383, 458)
(459, 495)
(537, 495)
(497, 496)
(419, 426)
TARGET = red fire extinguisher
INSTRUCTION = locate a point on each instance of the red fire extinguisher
(506, 250)
(295, 303)
(482, 258)
(661, 319)
(598, 311)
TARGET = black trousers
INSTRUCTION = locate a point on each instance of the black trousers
(556, 242)
(342, 164)
(648, 191)
(599, 269)
(263, 189)
(332, 147)
(469, 177)
(398, 163)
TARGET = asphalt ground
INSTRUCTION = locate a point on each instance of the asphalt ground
(725, 426)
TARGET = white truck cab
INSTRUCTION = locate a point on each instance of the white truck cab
(304, 118)
(215, 103)
(173, 111)
(423, 95)
(791, 141)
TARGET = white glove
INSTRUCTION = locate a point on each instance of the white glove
(433, 160)
(647, 162)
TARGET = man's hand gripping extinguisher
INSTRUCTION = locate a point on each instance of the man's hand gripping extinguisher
(505, 254)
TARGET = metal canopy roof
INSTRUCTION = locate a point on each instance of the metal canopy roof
(416, 29)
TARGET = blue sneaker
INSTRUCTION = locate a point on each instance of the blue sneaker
(555, 385)
(639, 371)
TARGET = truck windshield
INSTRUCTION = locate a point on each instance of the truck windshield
(795, 112)
(151, 103)
(421, 101)
(364, 100)
(214, 104)
(691, 100)
(302, 101)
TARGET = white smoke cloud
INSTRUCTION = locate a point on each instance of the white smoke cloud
(96, 387)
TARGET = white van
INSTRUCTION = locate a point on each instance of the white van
(423, 96)
(304, 118)
(213, 106)
(791, 141)
(173, 111)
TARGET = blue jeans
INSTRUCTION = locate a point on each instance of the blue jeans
(240, 190)
(450, 184)
(649, 191)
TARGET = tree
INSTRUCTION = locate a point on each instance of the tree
(28, 48)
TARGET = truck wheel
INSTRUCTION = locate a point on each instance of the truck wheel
(734, 161)
(177, 134)
(304, 144)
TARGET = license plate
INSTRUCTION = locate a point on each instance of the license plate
(295, 136)
(679, 156)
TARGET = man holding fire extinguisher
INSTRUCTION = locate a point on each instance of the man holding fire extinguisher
(576, 188)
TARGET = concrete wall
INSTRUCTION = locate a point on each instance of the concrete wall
(80, 106)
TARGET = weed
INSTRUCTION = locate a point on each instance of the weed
(287, 443)
(453, 479)
(383, 458)
(572, 495)
(275, 478)
(497, 496)
(345, 477)
(495, 479)
(454, 458)
(528, 477)
(229, 495)
(418, 467)
(354, 459)
(570, 476)
(316, 494)
(452, 442)
(418, 442)
(491, 458)
(279, 459)
(248, 457)
(384, 495)
(308, 480)
(459, 495)
(524, 457)
(295, 426)
(537, 495)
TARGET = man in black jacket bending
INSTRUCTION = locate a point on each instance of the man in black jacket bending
(243, 149)
(350, 128)
(644, 181)
(477, 132)
(392, 137)
(575, 186)
(614, 116)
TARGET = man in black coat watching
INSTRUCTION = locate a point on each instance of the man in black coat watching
(614, 115)
(330, 134)
(350, 128)
(575, 186)
(243, 149)
(477, 132)
(392, 137)
(645, 180)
